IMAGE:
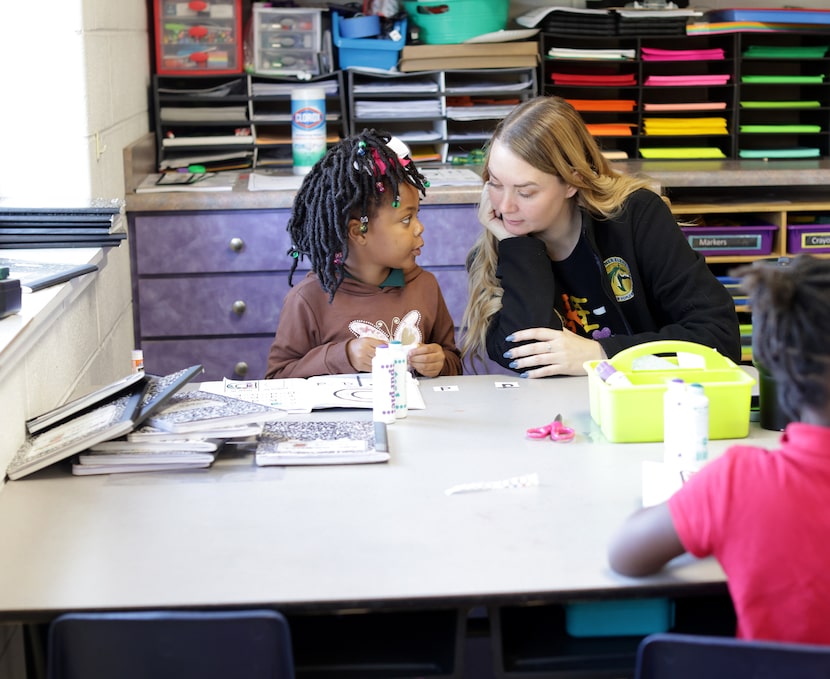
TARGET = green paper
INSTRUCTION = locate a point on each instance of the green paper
(797, 152)
(780, 104)
(781, 128)
(783, 79)
(785, 52)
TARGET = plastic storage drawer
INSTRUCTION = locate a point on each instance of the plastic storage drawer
(286, 41)
(198, 37)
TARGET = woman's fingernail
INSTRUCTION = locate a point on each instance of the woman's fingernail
(523, 375)
(507, 354)
(509, 338)
(513, 364)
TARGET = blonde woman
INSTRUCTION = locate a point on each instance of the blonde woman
(577, 261)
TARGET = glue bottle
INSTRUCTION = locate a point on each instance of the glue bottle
(383, 385)
(401, 377)
(696, 408)
(674, 426)
(611, 376)
(308, 127)
(137, 360)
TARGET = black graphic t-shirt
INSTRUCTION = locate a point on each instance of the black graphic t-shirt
(582, 302)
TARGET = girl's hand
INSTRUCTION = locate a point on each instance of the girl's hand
(361, 351)
(488, 217)
(552, 352)
(427, 359)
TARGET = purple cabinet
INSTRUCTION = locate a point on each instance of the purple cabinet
(208, 286)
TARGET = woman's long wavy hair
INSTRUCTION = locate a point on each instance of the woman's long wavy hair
(550, 135)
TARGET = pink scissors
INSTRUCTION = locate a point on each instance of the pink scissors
(556, 430)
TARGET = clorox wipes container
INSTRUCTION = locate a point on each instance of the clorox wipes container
(308, 127)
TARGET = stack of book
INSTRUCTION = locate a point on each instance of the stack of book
(143, 423)
(317, 442)
(96, 223)
(138, 423)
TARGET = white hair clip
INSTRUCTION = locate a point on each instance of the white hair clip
(399, 147)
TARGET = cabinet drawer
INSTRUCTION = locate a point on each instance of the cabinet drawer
(212, 242)
(211, 305)
(223, 357)
(449, 233)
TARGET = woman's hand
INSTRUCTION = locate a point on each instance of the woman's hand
(488, 217)
(552, 352)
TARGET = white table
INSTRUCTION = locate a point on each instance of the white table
(374, 565)
(368, 536)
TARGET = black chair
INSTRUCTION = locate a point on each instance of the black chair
(685, 656)
(253, 644)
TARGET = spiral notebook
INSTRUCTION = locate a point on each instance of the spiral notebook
(322, 442)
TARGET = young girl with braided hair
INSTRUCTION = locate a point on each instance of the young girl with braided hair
(356, 219)
(763, 514)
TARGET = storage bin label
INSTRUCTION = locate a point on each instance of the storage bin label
(811, 241)
(726, 242)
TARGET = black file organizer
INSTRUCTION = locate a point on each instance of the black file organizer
(379, 645)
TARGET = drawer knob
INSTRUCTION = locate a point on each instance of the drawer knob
(237, 244)
(239, 307)
(241, 368)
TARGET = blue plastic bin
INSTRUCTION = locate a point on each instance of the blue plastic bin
(382, 53)
(619, 618)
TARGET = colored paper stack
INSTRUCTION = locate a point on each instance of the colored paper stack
(684, 126)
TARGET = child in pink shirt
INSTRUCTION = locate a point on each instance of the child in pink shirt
(763, 514)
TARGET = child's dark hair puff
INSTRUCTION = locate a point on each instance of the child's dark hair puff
(791, 328)
(347, 183)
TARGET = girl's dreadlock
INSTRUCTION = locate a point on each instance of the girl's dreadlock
(348, 183)
(790, 326)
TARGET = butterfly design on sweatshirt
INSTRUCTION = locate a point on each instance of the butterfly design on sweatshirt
(406, 329)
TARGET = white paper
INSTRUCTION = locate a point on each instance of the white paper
(267, 182)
